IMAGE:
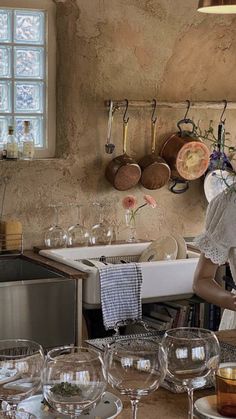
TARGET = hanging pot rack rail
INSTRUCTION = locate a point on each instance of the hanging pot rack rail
(118, 104)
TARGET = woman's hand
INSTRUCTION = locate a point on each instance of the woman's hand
(231, 301)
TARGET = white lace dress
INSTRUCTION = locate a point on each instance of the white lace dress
(218, 242)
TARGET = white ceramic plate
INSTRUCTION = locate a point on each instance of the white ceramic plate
(164, 248)
(108, 408)
(206, 407)
(214, 183)
(182, 246)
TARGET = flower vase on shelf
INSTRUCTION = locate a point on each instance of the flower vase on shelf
(131, 224)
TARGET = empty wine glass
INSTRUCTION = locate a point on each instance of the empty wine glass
(135, 367)
(192, 355)
(56, 236)
(77, 233)
(73, 379)
(21, 363)
(102, 232)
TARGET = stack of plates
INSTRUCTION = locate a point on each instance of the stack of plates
(165, 248)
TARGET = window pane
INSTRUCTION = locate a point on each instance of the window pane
(5, 26)
(36, 128)
(29, 97)
(4, 124)
(29, 27)
(5, 97)
(5, 61)
(29, 62)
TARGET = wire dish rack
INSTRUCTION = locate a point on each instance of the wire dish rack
(113, 259)
(11, 244)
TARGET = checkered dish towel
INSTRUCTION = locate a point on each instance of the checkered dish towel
(120, 293)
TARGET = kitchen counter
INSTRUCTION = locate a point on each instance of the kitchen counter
(164, 404)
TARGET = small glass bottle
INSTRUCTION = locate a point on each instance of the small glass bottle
(12, 145)
(27, 143)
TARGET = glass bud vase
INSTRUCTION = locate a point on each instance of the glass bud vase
(131, 224)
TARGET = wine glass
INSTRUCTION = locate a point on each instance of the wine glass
(73, 379)
(77, 233)
(21, 363)
(102, 232)
(192, 355)
(55, 236)
(135, 367)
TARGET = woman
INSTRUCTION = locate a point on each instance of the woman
(218, 245)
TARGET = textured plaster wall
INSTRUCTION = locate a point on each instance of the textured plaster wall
(137, 49)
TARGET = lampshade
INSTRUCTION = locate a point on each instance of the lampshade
(217, 6)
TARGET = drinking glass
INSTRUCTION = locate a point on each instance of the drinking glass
(135, 367)
(102, 232)
(77, 233)
(56, 236)
(73, 379)
(192, 355)
(21, 363)
(226, 389)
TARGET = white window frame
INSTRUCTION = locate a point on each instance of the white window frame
(49, 7)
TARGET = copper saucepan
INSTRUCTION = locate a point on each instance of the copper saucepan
(187, 156)
(155, 171)
(123, 172)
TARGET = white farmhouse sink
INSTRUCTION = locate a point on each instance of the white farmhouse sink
(160, 279)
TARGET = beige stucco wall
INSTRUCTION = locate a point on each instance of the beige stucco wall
(137, 49)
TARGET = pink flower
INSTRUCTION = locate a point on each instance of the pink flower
(150, 201)
(129, 202)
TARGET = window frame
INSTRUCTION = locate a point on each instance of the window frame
(49, 7)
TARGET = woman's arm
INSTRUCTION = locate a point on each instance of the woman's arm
(205, 286)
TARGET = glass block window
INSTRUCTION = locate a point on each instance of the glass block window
(23, 72)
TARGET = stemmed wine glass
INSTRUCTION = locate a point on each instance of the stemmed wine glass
(73, 379)
(101, 232)
(135, 367)
(21, 363)
(192, 355)
(77, 233)
(56, 236)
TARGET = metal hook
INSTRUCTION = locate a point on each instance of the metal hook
(188, 107)
(225, 106)
(154, 120)
(125, 119)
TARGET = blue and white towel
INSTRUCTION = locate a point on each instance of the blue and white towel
(120, 293)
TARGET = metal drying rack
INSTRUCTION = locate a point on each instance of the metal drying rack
(11, 244)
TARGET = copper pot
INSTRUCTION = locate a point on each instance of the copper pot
(155, 171)
(123, 172)
(187, 156)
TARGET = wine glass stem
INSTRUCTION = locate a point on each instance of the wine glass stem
(134, 405)
(190, 403)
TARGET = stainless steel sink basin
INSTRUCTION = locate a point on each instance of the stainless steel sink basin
(18, 269)
(161, 279)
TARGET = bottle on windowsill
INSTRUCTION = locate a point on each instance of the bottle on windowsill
(12, 145)
(27, 152)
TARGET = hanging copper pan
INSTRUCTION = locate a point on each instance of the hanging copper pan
(123, 172)
(155, 171)
(187, 156)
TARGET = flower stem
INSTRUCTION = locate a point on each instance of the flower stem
(141, 206)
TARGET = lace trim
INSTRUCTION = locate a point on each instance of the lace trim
(211, 249)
